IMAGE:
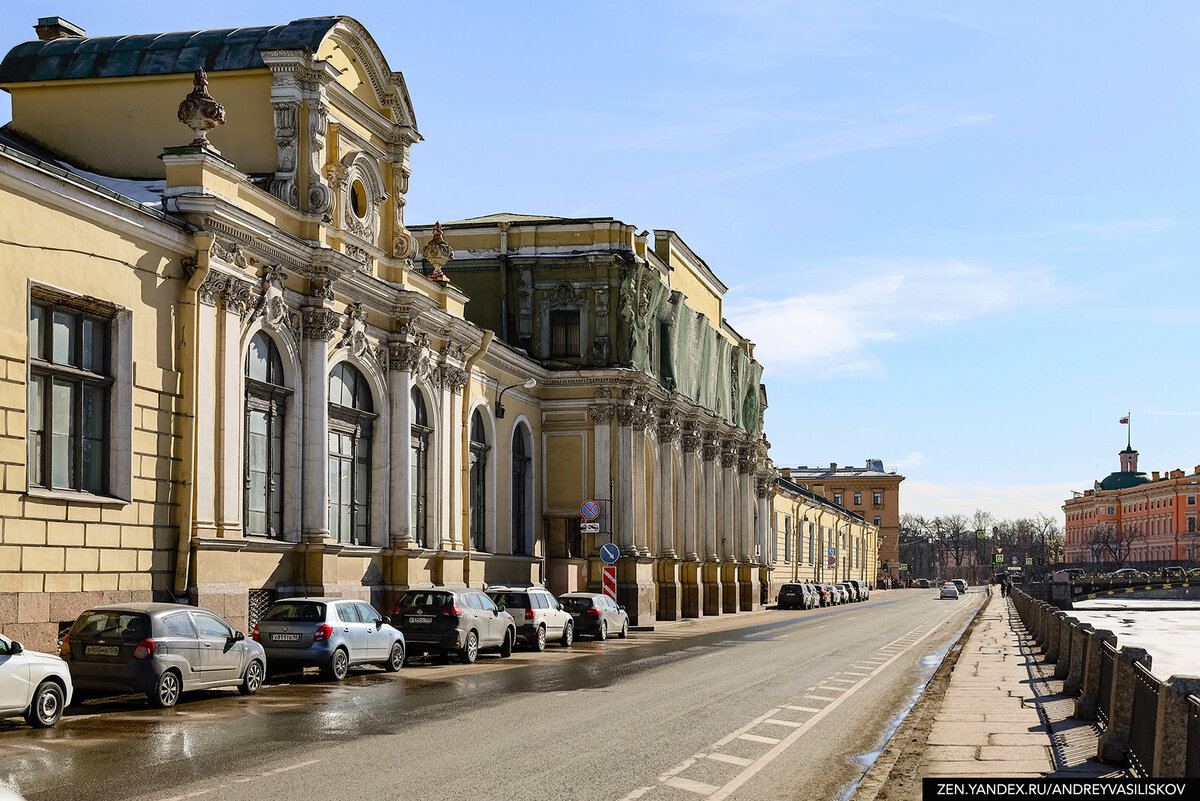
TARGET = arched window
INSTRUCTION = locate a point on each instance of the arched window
(521, 491)
(479, 452)
(351, 420)
(266, 405)
(418, 497)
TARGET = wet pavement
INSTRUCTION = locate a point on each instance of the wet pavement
(660, 715)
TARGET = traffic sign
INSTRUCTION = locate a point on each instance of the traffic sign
(980, 533)
(590, 510)
(904, 565)
(609, 583)
(609, 553)
(832, 561)
(1029, 560)
(1014, 560)
(832, 552)
(999, 558)
(589, 528)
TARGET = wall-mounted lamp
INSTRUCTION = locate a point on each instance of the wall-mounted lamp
(528, 383)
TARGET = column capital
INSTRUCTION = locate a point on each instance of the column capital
(690, 441)
(601, 413)
(213, 285)
(627, 415)
(320, 323)
(453, 378)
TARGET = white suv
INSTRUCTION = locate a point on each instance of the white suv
(32, 684)
(538, 615)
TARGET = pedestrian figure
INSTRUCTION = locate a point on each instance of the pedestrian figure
(1003, 589)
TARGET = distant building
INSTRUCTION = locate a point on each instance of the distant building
(819, 540)
(1159, 512)
(870, 491)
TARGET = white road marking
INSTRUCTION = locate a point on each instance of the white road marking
(821, 697)
(757, 738)
(801, 708)
(732, 760)
(691, 786)
(789, 723)
(845, 681)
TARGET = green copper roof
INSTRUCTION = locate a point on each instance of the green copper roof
(1116, 481)
(72, 58)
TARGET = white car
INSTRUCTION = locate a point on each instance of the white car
(32, 684)
(949, 591)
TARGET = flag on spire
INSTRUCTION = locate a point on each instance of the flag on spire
(1124, 420)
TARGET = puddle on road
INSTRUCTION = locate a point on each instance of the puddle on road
(927, 666)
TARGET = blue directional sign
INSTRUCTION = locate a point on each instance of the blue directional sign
(609, 553)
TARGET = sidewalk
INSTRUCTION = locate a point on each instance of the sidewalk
(988, 723)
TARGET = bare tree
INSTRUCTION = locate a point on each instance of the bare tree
(1114, 542)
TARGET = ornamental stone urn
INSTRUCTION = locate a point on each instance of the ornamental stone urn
(438, 253)
(200, 112)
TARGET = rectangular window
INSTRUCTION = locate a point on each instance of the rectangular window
(1191, 525)
(858, 499)
(837, 498)
(787, 540)
(1191, 500)
(564, 333)
(877, 519)
(70, 384)
(877, 498)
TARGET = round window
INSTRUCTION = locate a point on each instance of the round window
(358, 199)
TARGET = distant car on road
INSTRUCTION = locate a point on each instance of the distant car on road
(850, 590)
(794, 596)
(1074, 572)
(864, 590)
(465, 621)
(333, 634)
(923, 583)
(161, 650)
(32, 684)
(537, 614)
(1126, 573)
(1172, 571)
(960, 584)
(949, 591)
(596, 614)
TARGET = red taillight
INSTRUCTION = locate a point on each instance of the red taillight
(145, 649)
(322, 633)
(65, 649)
(529, 614)
(594, 612)
(254, 634)
(452, 610)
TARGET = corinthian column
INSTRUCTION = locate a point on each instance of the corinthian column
(668, 433)
(746, 531)
(320, 324)
(402, 358)
(712, 489)
(625, 482)
(729, 496)
(688, 505)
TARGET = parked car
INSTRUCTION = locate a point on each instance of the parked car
(814, 594)
(1195, 571)
(161, 650)
(461, 620)
(333, 634)
(922, 583)
(595, 614)
(850, 590)
(537, 614)
(1126, 573)
(864, 589)
(1074, 572)
(837, 593)
(949, 591)
(794, 596)
(960, 585)
(32, 684)
(1172, 571)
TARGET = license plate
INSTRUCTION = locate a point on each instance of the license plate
(102, 650)
(285, 638)
(420, 620)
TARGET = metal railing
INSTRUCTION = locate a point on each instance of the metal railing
(1143, 720)
(1193, 739)
(1108, 661)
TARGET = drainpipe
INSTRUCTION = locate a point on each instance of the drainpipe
(191, 359)
(465, 479)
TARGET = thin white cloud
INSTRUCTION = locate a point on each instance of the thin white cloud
(822, 334)
(911, 459)
(1018, 500)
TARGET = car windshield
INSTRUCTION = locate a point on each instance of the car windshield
(112, 623)
(575, 604)
(296, 612)
(510, 600)
(424, 599)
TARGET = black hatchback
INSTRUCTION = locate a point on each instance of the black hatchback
(595, 614)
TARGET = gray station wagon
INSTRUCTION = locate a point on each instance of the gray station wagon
(161, 650)
(330, 633)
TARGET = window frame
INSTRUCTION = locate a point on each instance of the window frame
(421, 434)
(521, 488)
(359, 425)
(477, 483)
(553, 350)
(271, 398)
(43, 368)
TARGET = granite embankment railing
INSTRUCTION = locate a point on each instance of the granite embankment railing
(1150, 724)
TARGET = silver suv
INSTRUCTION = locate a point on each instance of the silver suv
(441, 620)
(537, 614)
(330, 633)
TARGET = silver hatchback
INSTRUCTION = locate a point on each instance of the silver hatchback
(330, 633)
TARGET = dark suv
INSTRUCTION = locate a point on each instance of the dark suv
(794, 596)
(440, 620)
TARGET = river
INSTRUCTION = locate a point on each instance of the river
(1169, 629)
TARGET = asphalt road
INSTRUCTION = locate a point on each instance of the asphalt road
(778, 704)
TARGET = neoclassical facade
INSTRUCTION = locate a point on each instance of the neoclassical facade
(230, 371)
(819, 540)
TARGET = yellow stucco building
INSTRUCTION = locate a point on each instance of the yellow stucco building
(229, 371)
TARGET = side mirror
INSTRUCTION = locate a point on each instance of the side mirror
(15, 648)
(238, 636)
(385, 619)
(621, 608)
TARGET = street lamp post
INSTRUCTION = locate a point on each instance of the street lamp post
(528, 383)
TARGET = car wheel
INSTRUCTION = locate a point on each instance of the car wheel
(47, 706)
(568, 636)
(339, 665)
(507, 646)
(471, 650)
(395, 657)
(253, 678)
(603, 633)
(624, 635)
(539, 643)
(166, 691)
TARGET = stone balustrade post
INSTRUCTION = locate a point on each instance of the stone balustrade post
(1053, 636)
(1066, 629)
(1088, 701)
(1171, 730)
(1115, 740)
(1080, 633)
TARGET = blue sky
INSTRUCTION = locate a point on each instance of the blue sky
(962, 234)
